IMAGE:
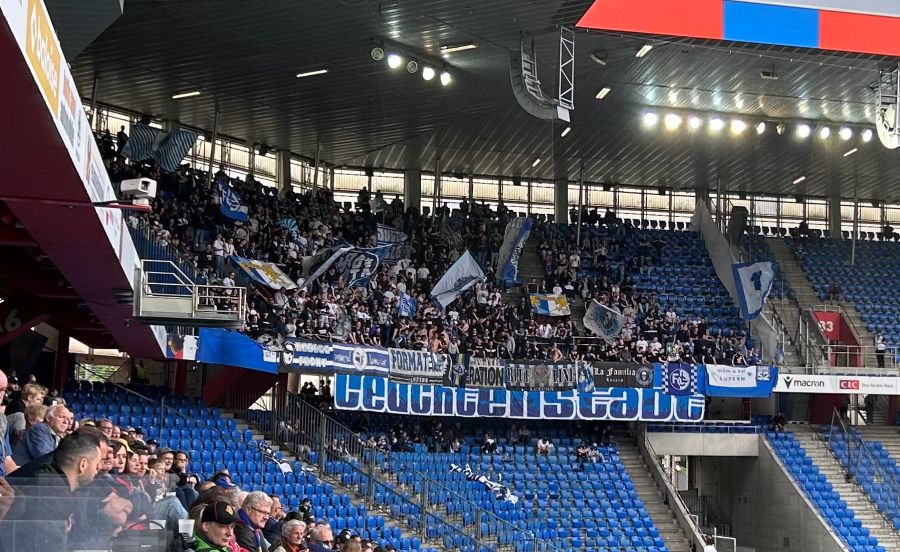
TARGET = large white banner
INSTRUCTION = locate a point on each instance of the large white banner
(842, 385)
(731, 376)
(464, 274)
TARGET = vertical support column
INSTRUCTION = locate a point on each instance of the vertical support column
(283, 170)
(561, 200)
(436, 197)
(316, 169)
(94, 90)
(834, 216)
(180, 378)
(62, 365)
(293, 383)
(212, 148)
(580, 205)
(412, 189)
(323, 440)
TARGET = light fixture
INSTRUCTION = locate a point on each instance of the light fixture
(780, 128)
(394, 60)
(803, 130)
(851, 152)
(650, 119)
(445, 78)
(377, 53)
(799, 180)
(428, 73)
(867, 135)
(599, 57)
(186, 94)
(566, 131)
(603, 92)
(761, 128)
(536, 162)
(738, 126)
(412, 66)
(846, 133)
(716, 124)
(645, 49)
(824, 133)
(672, 121)
(451, 48)
(694, 122)
(311, 73)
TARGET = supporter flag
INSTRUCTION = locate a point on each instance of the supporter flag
(464, 274)
(142, 142)
(499, 490)
(173, 148)
(289, 224)
(408, 306)
(753, 282)
(737, 381)
(230, 202)
(514, 239)
(451, 237)
(261, 272)
(547, 304)
(356, 264)
(679, 379)
(604, 321)
(388, 235)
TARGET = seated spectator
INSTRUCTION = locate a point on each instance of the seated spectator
(216, 528)
(778, 422)
(32, 394)
(272, 530)
(489, 446)
(834, 293)
(253, 515)
(186, 490)
(44, 437)
(595, 455)
(180, 462)
(321, 539)
(34, 414)
(582, 451)
(292, 539)
(544, 446)
(524, 435)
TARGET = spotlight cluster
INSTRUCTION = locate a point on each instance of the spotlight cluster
(396, 60)
(737, 126)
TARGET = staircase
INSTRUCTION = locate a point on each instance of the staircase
(649, 493)
(855, 498)
(887, 435)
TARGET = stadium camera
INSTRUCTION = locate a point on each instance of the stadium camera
(139, 190)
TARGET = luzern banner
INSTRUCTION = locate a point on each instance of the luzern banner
(378, 394)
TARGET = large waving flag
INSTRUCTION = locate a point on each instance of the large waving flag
(357, 265)
(261, 272)
(514, 239)
(464, 274)
(230, 204)
(753, 283)
(166, 148)
(547, 304)
(604, 321)
(407, 306)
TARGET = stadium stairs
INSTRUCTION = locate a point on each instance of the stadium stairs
(855, 498)
(887, 435)
(649, 493)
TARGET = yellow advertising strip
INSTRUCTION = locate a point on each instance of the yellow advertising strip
(43, 52)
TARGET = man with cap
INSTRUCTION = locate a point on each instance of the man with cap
(216, 528)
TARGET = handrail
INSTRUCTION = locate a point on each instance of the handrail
(686, 520)
(887, 478)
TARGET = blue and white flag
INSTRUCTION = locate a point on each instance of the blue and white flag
(261, 272)
(357, 265)
(679, 379)
(408, 306)
(753, 282)
(388, 235)
(737, 381)
(604, 321)
(464, 274)
(173, 148)
(289, 224)
(547, 304)
(230, 202)
(514, 239)
(141, 143)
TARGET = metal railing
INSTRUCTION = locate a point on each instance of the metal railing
(161, 279)
(809, 336)
(857, 453)
(688, 522)
(344, 456)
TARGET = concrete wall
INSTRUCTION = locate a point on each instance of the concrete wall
(704, 444)
(766, 511)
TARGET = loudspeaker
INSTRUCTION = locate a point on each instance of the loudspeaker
(737, 224)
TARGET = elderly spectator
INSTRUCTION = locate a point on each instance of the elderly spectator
(272, 530)
(216, 528)
(321, 539)
(43, 438)
(292, 538)
(254, 514)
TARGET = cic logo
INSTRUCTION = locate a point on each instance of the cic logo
(852, 384)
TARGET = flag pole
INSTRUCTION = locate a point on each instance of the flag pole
(580, 204)
(212, 151)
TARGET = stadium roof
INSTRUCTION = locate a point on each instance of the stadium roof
(243, 57)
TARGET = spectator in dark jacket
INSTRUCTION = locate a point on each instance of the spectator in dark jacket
(253, 516)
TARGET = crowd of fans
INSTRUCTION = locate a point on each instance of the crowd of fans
(86, 484)
(650, 332)
(286, 228)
